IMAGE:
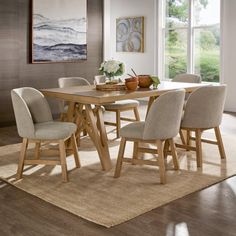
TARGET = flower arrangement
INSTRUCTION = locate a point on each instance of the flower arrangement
(112, 68)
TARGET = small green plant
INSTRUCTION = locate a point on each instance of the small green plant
(156, 81)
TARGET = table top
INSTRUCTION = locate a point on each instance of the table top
(89, 94)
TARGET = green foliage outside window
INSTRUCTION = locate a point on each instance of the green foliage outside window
(206, 43)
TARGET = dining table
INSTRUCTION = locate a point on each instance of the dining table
(85, 98)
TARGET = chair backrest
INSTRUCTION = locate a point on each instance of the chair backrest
(204, 107)
(187, 78)
(72, 81)
(30, 106)
(164, 117)
(98, 79)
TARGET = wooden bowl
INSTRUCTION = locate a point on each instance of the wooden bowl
(131, 79)
(145, 81)
(131, 85)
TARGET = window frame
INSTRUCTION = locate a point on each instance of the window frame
(190, 37)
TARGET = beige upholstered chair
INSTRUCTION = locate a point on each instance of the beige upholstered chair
(69, 82)
(118, 107)
(35, 124)
(203, 111)
(162, 124)
(187, 78)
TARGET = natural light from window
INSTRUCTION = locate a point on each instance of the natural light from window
(192, 38)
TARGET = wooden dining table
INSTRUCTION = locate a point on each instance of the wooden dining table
(82, 97)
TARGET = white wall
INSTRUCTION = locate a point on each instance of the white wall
(228, 70)
(147, 63)
(142, 63)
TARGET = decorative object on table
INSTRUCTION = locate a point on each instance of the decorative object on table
(131, 83)
(130, 34)
(100, 82)
(99, 79)
(112, 68)
(156, 81)
(111, 87)
(59, 31)
(145, 81)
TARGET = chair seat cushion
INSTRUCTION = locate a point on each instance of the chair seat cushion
(133, 130)
(54, 130)
(122, 104)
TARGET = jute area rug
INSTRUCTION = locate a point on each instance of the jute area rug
(96, 196)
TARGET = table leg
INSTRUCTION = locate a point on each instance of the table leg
(70, 112)
(98, 135)
(151, 100)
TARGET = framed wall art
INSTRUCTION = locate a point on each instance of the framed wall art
(130, 34)
(59, 29)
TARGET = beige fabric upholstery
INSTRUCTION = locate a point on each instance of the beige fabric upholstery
(34, 118)
(54, 130)
(133, 130)
(163, 120)
(187, 78)
(72, 81)
(65, 82)
(204, 108)
(121, 104)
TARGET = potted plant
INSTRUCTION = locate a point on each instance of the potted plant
(112, 68)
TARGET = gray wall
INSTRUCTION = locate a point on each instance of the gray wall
(15, 69)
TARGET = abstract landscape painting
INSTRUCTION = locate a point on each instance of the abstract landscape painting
(130, 34)
(59, 30)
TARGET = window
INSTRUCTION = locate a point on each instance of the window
(192, 38)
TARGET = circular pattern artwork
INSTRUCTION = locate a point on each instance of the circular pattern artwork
(129, 34)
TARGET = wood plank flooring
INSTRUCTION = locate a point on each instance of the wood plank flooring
(209, 212)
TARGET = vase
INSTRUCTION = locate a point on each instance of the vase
(111, 80)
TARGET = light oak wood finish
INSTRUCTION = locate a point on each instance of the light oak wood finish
(198, 143)
(38, 161)
(56, 221)
(160, 152)
(87, 95)
(119, 118)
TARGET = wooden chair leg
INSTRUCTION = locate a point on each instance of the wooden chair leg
(182, 137)
(166, 148)
(37, 150)
(120, 158)
(22, 158)
(136, 114)
(161, 161)
(84, 132)
(135, 151)
(188, 140)
(220, 142)
(174, 154)
(62, 117)
(63, 160)
(75, 151)
(118, 124)
(199, 147)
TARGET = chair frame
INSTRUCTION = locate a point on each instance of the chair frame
(37, 161)
(187, 144)
(119, 118)
(162, 151)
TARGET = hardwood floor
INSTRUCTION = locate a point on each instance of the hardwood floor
(211, 211)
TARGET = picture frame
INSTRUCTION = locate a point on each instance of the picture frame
(130, 34)
(58, 31)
